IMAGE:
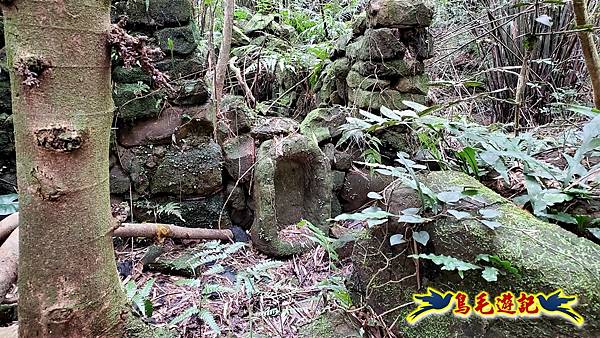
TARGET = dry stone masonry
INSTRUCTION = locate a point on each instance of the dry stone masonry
(381, 62)
(260, 170)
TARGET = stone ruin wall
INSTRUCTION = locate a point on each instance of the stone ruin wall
(164, 147)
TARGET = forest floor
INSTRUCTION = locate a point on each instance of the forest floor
(236, 291)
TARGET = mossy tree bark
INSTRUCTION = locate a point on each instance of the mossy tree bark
(590, 50)
(59, 62)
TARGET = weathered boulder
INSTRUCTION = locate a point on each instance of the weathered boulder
(131, 75)
(292, 181)
(191, 93)
(267, 128)
(239, 212)
(132, 103)
(154, 12)
(340, 160)
(239, 117)
(418, 84)
(119, 181)
(201, 213)
(399, 13)
(323, 123)
(195, 171)
(358, 184)
(176, 40)
(355, 80)
(547, 258)
(391, 69)
(377, 45)
(331, 87)
(370, 100)
(177, 67)
(157, 130)
(240, 156)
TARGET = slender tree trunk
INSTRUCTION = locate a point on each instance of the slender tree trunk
(59, 64)
(221, 68)
(590, 50)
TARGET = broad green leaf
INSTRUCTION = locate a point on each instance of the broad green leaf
(421, 237)
(459, 215)
(415, 106)
(397, 240)
(412, 219)
(450, 196)
(490, 213)
(595, 232)
(447, 262)
(490, 274)
(8, 204)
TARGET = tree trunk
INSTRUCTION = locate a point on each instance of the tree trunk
(59, 64)
(221, 68)
(590, 50)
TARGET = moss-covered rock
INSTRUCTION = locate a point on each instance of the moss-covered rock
(131, 75)
(391, 69)
(240, 155)
(323, 123)
(200, 213)
(399, 13)
(177, 68)
(176, 40)
(132, 103)
(196, 171)
(372, 100)
(239, 116)
(267, 128)
(292, 181)
(377, 45)
(119, 181)
(355, 80)
(547, 257)
(330, 325)
(191, 93)
(169, 13)
(418, 84)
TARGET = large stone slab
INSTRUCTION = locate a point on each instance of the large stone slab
(399, 13)
(377, 45)
(195, 171)
(547, 258)
(292, 181)
(151, 13)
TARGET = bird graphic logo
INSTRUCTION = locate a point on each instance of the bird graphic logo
(558, 304)
(432, 302)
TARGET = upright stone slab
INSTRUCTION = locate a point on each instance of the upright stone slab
(292, 181)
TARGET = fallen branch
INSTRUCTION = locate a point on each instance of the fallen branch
(161, 231)
(7, 226)
(9, 258)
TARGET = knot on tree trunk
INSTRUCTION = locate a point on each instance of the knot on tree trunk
(60, 139)
(31, 69)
